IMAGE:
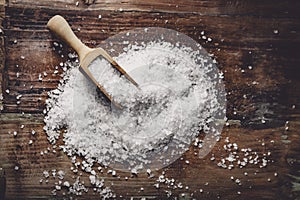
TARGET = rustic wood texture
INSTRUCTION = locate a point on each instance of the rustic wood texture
(261, 34)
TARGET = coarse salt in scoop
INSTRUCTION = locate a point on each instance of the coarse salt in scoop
(87, 55)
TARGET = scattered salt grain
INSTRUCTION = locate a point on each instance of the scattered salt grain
(15, 133)
(16, 168)
(7, 91)
(46, 174)
(66, 184)
(30, 142)
(60, 174)
(40, 77)
(275, 31)
(99, 16)
(19, 96)
(58, 187)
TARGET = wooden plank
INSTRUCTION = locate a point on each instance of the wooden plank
(287, 8)
(284, 160)
(2, 50)
(263, 50)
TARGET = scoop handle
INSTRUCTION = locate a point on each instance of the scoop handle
(62, 29)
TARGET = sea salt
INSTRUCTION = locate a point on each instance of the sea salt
(158, 121)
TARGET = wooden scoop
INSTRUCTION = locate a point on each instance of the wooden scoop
(60, 27)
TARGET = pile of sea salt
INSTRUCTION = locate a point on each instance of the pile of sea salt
(175, 100)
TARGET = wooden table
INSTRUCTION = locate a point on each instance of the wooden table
(264, 35)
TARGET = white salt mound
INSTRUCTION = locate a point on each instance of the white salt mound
(176, 99)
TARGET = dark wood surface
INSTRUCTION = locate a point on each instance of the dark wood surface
(244, 34)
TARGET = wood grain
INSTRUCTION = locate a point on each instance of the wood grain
(262, 34)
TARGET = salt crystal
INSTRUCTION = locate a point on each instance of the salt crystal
(46, 174)
(40, 77)
(30, 142)
(16, 168)
(66, 184)
(60, 174)
(275, 31)
(57, 187)
(92, 179)
(93, 172)
(99, 16)
(19, 96)
(134, 171)
(113, 173)
(7, 91)
(148, 171)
